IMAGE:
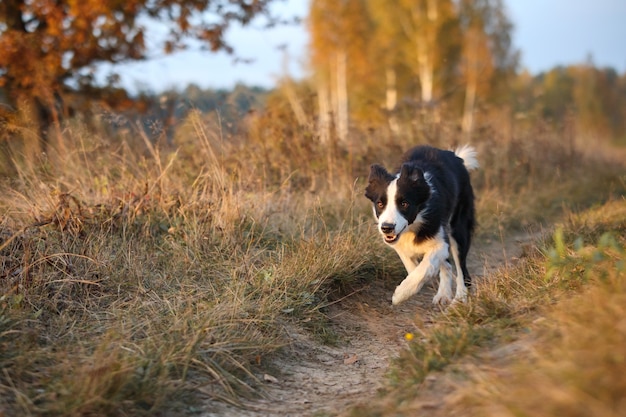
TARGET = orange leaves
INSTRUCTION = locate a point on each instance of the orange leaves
(45, 43)
(17, 51)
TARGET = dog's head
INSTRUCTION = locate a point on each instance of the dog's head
(398, 200)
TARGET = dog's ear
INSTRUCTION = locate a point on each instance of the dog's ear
(377, 173)
(377, 178)
(411, 172)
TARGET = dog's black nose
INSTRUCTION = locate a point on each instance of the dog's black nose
(387, 228)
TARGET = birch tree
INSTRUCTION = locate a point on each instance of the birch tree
(425, 24)
(487, 55)
(339, 30)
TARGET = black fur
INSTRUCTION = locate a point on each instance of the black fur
(436, 184)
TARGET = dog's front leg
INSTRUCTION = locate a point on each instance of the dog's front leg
(417, 278)
(407, 261)
(444, 293)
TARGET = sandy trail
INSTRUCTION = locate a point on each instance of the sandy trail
(309, 378)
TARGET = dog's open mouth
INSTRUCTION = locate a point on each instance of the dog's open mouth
(392, 238)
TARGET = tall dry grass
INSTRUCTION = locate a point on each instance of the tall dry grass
(130, 275)
(135, 275)
(544, 337)
(571, 356)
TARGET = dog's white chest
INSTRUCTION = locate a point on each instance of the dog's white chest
(406, 246)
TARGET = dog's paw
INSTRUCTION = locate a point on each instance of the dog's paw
(442, 299)
(397, 299)
(460, 296)
(401, 294)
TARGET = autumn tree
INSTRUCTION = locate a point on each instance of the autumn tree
(582, 101)
(487, 56)
(425, 23)
(412, 54)
(598, 101)
(50, 46)
(339, 40)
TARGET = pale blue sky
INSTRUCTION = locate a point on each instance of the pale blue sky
(561, 32)
(548, 33)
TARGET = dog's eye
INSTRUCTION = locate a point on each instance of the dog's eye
(404, 204)
(380, 204)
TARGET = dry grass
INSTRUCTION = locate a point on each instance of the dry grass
(132, 276)
(579, 361)
(573, 362)
(545, 337)
(129, 278)
(577, 358)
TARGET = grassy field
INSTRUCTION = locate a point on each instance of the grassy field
(135, 279)
(545, 337)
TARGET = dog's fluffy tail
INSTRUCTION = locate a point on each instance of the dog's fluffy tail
(468, 154)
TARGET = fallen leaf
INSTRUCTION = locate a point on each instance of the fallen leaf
(269, 378)
(351, 359)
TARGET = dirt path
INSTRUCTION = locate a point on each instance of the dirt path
(315, 379)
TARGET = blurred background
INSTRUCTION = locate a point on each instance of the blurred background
(545, 34)
(336, 69)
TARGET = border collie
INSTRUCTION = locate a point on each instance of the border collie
(426, 211)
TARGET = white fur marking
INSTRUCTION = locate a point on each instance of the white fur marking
(435, 254)
(444, 293)
(428, 177)
(390, 214)
(409, 263)
(461, 289)
(468, 154)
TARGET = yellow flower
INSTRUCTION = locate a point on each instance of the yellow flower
(408, 337)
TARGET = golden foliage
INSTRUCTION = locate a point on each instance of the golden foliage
(45, 43)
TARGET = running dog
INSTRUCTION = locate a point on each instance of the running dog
(425, 212)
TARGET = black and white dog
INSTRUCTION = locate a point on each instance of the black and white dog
(426, 211)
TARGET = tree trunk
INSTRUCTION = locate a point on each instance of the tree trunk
(341, 98)
(467, 124)
(292, 96)
(324, 121)
(34, 104)
(30, 118)
(391, 101)
(426, 77)
(425, 42)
